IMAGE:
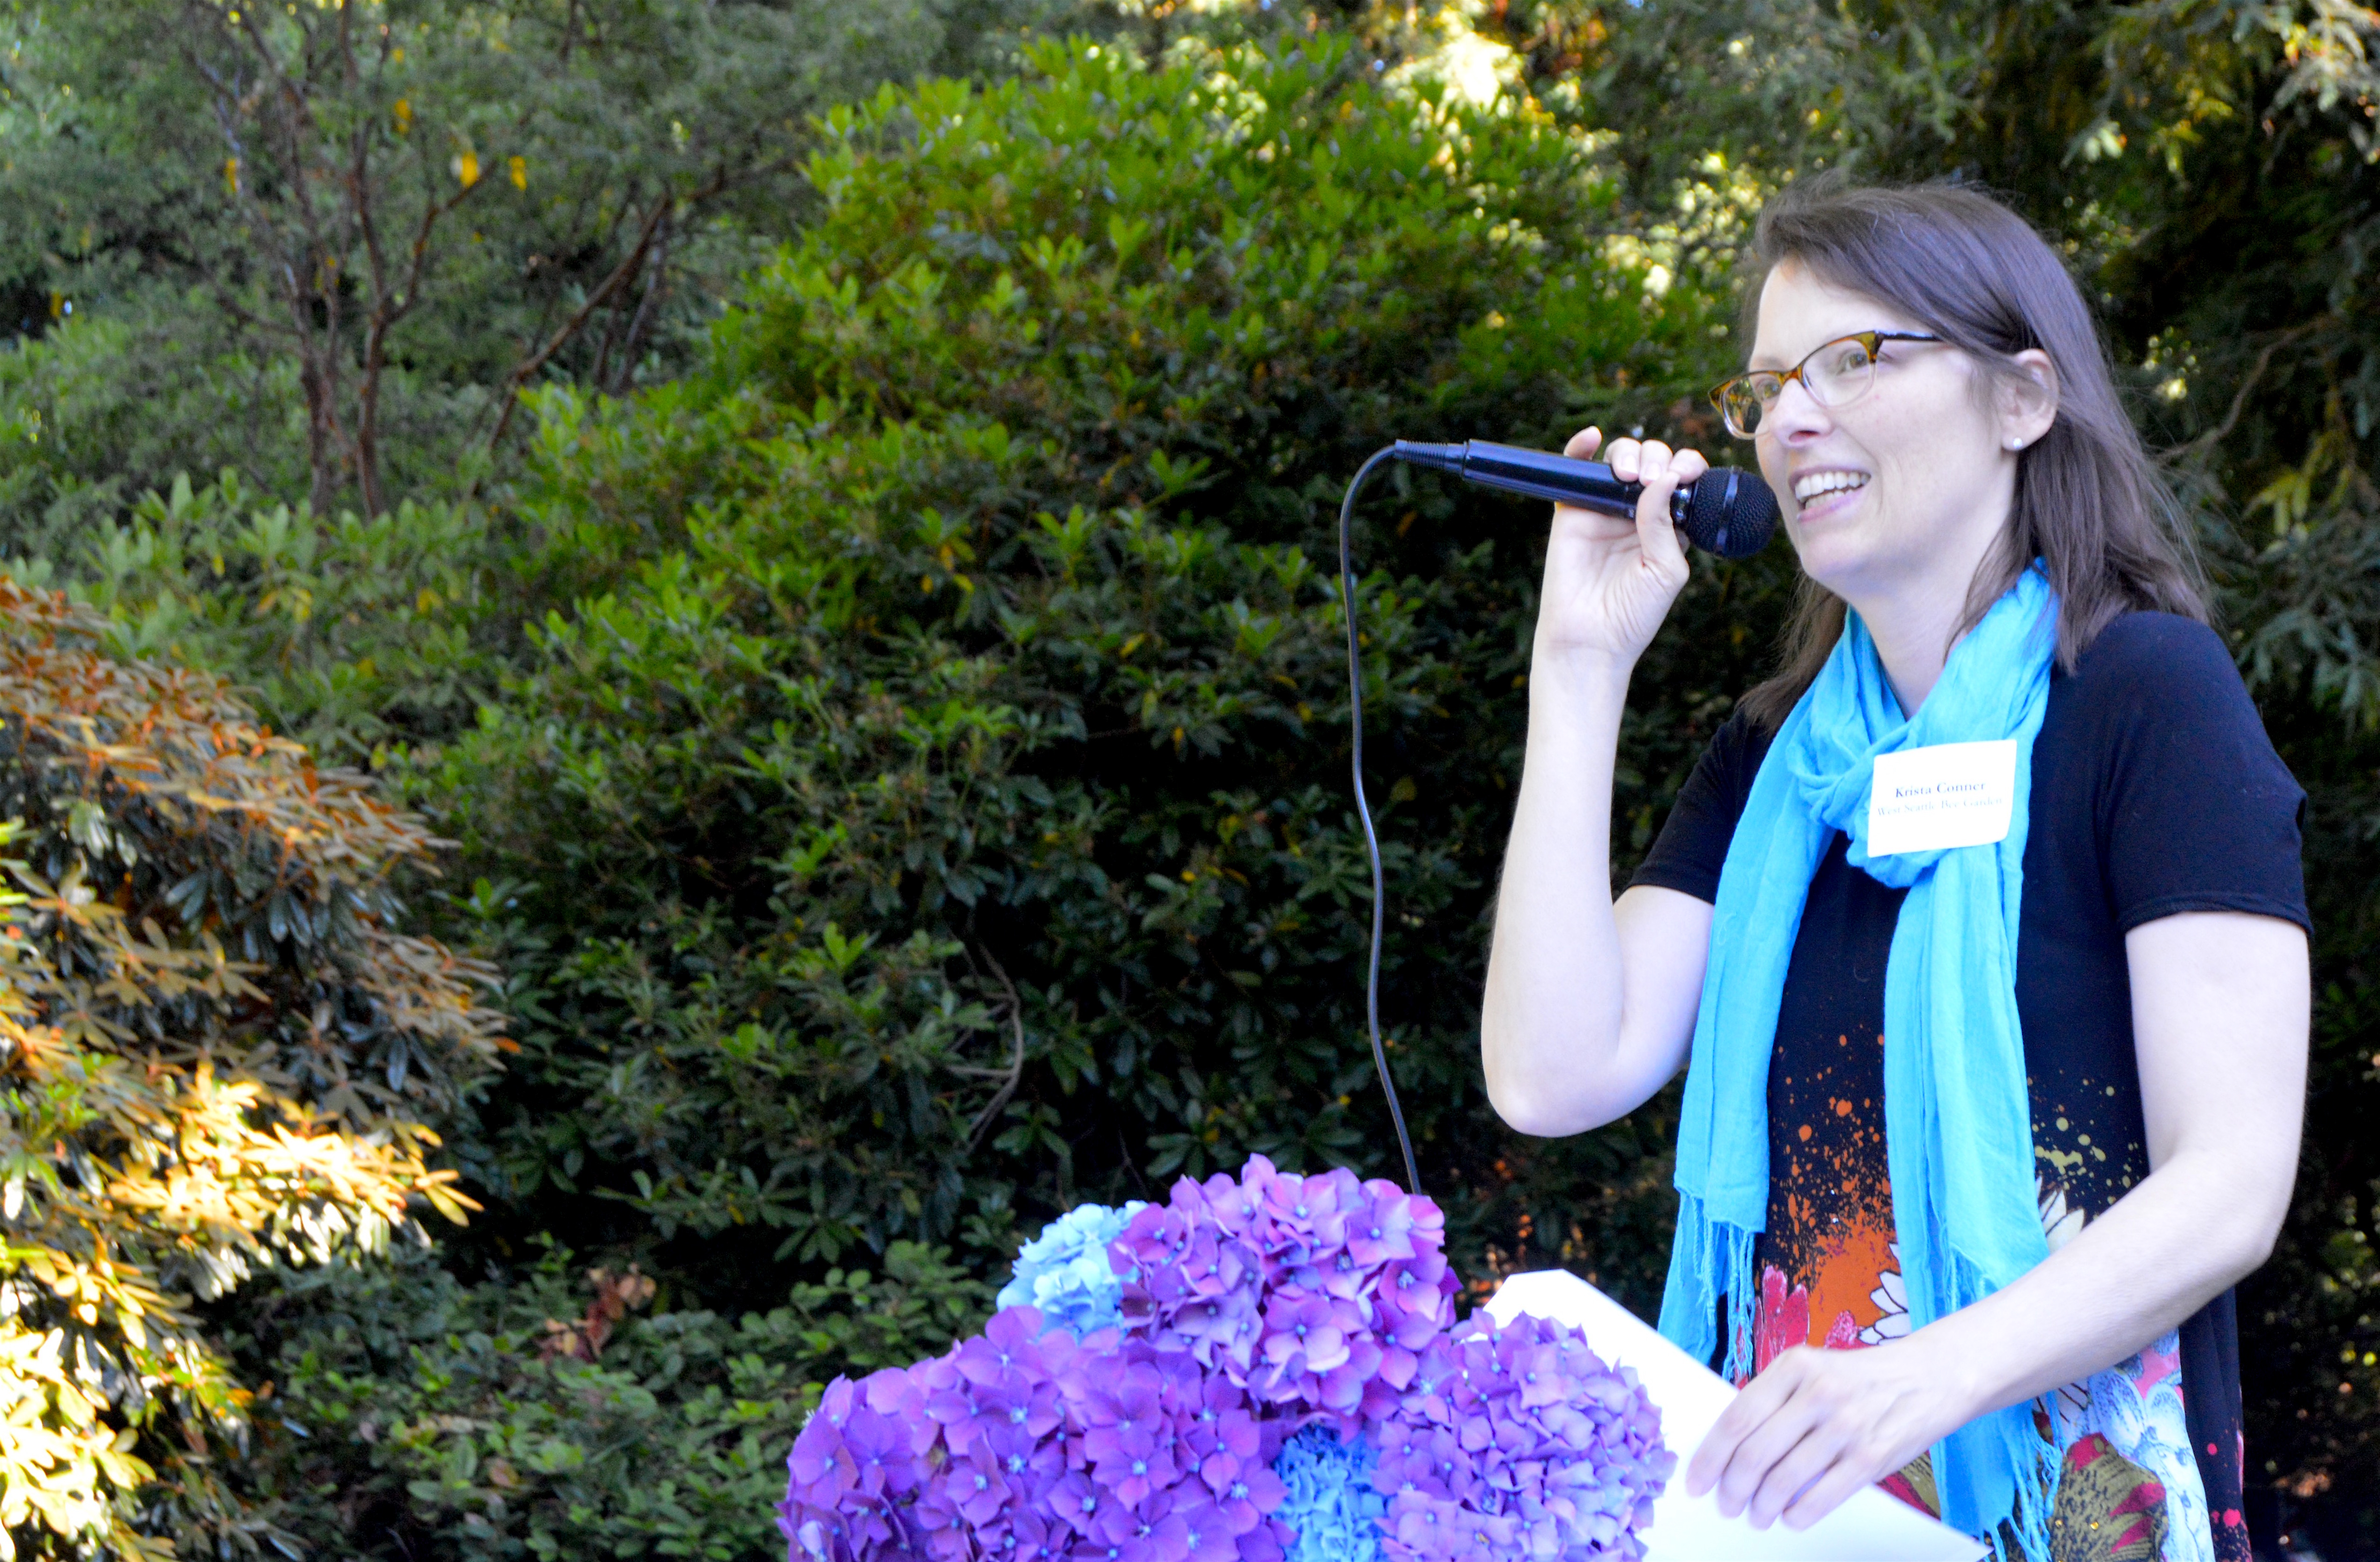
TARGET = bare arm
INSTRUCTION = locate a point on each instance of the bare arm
(2220, 1008)
(1590, 1007)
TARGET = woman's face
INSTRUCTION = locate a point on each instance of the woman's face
(1909, 483)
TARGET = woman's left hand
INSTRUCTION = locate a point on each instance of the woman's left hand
(1819, 1424)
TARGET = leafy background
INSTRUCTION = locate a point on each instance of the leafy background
(829, 512)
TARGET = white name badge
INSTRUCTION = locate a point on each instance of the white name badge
(1949, 795)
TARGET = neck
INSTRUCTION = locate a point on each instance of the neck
(1914, 622)
(1913, 634)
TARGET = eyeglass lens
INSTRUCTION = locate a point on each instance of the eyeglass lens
(1836, 375)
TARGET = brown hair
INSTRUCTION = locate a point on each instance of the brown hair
(2090, 502)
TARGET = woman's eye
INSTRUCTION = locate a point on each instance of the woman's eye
(1850, 358)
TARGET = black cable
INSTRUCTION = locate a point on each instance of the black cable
(1364, 812)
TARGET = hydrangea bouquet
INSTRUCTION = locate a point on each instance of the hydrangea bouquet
(1266, 1369)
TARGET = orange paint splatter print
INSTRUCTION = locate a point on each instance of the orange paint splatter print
(1831, 1276)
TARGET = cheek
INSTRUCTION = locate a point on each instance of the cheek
(1940, 437)
(1772, 468)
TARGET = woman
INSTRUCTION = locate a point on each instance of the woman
(1983, 1120)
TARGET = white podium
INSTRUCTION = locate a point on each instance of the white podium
(1870, 1527)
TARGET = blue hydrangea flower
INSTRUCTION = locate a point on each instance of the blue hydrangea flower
(1332, 1505)
(1066, 1274)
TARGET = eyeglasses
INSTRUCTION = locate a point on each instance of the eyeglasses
(1837, 374)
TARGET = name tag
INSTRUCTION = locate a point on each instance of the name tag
(1949, 795)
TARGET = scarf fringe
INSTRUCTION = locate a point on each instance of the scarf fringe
(1710, 1261)
(2010, 1442)
(2023, 1535)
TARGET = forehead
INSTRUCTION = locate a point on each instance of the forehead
(1799, 310)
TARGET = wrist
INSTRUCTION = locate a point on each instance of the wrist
(1578, 673)
(1970, 1376)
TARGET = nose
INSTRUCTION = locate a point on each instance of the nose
(1796, 415)
(1796, 419)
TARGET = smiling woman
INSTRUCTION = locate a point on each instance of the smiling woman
(1986, 1111)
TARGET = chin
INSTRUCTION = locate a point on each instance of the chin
(1859, 574)
(1829, 557)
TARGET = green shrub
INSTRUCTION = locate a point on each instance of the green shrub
(416, 1417)
(217, 1046)
(351, 631)
(934, 791)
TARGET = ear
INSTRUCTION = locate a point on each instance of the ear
(2027, 407)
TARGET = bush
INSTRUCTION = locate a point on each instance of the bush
(416, 1417)
(352, 633)
(218, 1051)
(935, 787)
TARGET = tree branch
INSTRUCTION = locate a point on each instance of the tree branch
(527, 368)
(1014, 1073)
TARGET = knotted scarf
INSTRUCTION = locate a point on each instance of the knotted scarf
(1957, 1120)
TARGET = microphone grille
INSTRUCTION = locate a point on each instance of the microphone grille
(1731, 513)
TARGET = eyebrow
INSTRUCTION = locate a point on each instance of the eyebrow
(1774, 363)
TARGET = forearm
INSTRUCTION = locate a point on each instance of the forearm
(1818, 1424)
(2220, 1010)
(2219, 1015)
(2189, 1231)
(1551, 1020)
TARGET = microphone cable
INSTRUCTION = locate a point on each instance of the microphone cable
(1727, 512)
(1363, 810)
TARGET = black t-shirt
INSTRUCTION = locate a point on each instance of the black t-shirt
(2154, 791)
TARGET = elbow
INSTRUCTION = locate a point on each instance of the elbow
(1552, 1082)
(1535, 1118)
(2246, 1241)
(2238, 1254)
(1525, 1104)
(2256, 1241)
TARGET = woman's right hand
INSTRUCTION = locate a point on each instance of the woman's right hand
(1609, 582)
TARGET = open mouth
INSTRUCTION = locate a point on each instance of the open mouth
(1818, 488)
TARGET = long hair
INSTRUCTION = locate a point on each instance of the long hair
(2090, 502)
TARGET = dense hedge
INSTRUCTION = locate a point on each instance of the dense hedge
(931, 807)
(908, 787)
(541, 1415)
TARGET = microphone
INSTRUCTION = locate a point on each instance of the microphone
(1725, 511)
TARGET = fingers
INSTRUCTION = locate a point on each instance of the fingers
(1830, 1493)
(1760, 1400)
(1662, 470)
(1765, 1455)
(1803, 1437)
(1819, 1453)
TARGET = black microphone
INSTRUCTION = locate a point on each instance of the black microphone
(1727, 512)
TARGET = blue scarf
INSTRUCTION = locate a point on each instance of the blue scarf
(1957, 1120)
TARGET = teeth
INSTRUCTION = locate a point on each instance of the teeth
(1809, 487)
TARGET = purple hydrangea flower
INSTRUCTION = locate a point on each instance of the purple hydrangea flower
(1518, 1437)
(1284, 1382)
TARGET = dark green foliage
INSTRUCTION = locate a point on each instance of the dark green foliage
(413, 1415)
(935, 798)
(325, 245)
(352, 633)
